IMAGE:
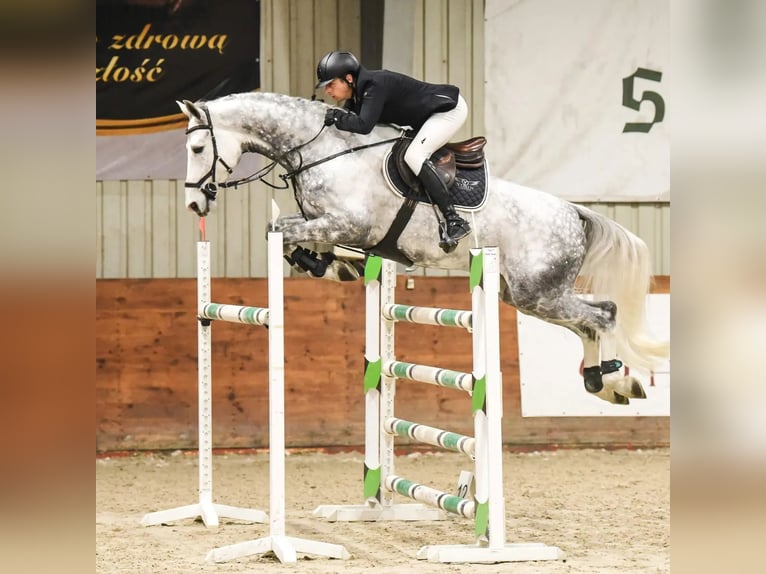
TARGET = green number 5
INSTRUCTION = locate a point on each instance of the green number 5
(629, 101)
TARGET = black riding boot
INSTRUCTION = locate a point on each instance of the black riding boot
(456, 227)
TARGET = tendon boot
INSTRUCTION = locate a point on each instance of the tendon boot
(455, 227)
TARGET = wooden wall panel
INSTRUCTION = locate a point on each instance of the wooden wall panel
(139, 228)
(477, 66)
(146, 369)
(186, 227)
(325, 36)
(99, 229)
(114, 249)
(163, 224)
(349, 28)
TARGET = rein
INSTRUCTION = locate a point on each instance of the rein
(210, 189)
(292, 174)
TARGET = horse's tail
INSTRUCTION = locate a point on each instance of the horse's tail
(617, 266)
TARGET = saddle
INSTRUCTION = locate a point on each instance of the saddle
(461, 165)
(467, 154)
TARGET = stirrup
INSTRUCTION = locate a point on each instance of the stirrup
(448, 242)
(459, 231)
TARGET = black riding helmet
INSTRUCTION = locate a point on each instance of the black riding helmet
(336, 65)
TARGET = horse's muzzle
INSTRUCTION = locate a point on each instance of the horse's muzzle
(195, 208)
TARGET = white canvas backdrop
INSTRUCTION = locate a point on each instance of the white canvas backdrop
(549, 370)
(554, 96)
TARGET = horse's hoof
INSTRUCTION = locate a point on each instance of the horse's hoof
(347, 272)
(629, 387)
(620, 400)
(358, 266)
(637, 390)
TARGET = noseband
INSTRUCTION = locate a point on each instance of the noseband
(210, 189)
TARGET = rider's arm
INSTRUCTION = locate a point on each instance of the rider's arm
(369, 112)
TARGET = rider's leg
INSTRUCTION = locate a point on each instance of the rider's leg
(457, 227)
(436, 132)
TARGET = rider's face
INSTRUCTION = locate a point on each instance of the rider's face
(338, 90)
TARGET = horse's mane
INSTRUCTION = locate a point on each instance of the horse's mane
(269, 98)
(316, 108)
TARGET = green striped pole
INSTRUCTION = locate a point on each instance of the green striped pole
(431, 435)
(234, 313)
(431, 496)
(428, 316)
(430, 375)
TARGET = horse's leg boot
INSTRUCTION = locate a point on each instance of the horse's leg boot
(309, 261)
(456, 227)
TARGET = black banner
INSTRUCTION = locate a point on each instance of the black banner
(150, 53)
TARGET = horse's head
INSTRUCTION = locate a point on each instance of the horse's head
(212, 153)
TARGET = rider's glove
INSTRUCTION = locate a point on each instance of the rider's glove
(332, 115)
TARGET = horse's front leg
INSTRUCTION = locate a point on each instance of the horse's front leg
(326, 229)
(285, 221)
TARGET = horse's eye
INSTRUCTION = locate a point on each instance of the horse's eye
(197, 149)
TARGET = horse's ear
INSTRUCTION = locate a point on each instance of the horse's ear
(189, 109)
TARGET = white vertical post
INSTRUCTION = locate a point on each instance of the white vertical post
(388, 383)
(276, 386)
(494, 399)
(204, 398)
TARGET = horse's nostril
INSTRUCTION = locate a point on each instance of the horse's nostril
(194, 207)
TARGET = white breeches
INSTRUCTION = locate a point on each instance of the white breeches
(436, 132)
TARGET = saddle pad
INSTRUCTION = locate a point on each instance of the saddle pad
(468, 192)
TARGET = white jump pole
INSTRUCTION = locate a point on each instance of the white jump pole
(284, 547)
(209, 511)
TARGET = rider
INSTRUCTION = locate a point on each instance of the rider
(435, 111)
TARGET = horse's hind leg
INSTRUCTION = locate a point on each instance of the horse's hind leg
(613, 375)
(592, 369)
(586, 319)
(604, 377)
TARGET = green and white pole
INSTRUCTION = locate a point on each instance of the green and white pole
(478, 398)
(372, 382)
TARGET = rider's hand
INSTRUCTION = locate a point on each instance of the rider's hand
(331, 116)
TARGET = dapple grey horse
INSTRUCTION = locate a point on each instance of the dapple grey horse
(344, 199)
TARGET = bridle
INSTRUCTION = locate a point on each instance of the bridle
(210, 189)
